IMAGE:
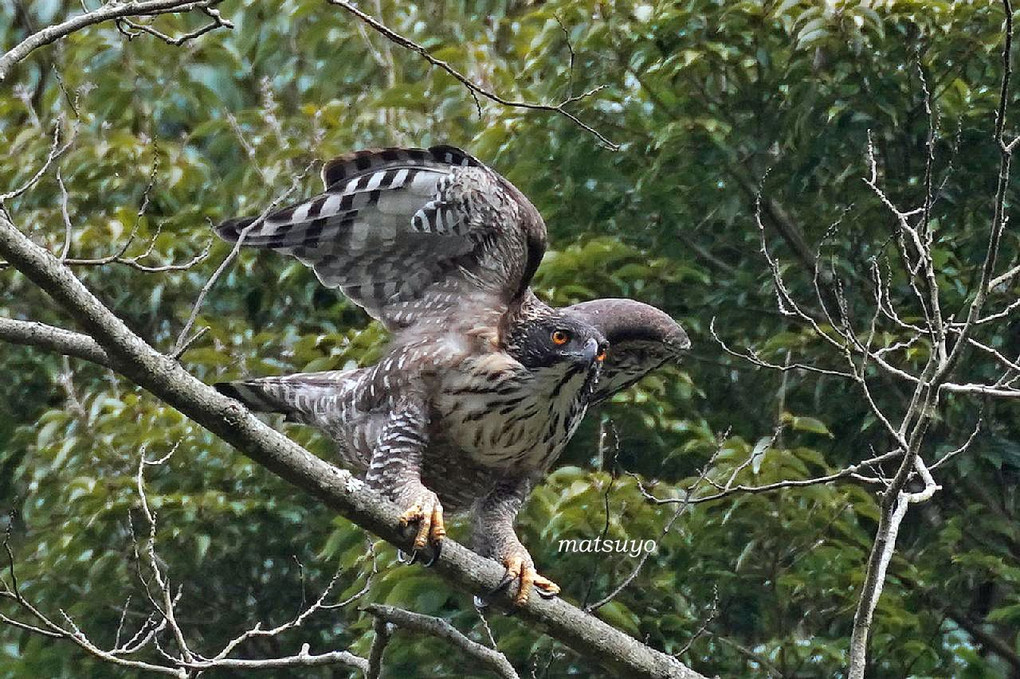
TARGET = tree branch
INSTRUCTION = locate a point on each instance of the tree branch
(437, 627)
(57, 340)
(51, 34)
(338, 489)
(474, 88)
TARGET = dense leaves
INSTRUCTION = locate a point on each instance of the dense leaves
(709, 101)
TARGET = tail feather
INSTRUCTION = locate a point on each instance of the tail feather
(254, 396)
(298, 396)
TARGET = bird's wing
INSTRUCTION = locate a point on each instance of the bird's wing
(641, 338)
(410, 235)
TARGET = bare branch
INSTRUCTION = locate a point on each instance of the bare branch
(217, 22)
(301, 659)
(375, 654)
(437, 627)
(474, 88)
(751, 356)
(317, 605)
(56, 150)
(188, 663)
(57, 340)
(853, 471)
(108, 12)
(1001, 315)
(66, 216)
(133, 262)
(53, 630)
(183, 341)
(999, 217)
(680, 509)
(167, 605)
(980, 389)
(1004, 278)
(704, 626)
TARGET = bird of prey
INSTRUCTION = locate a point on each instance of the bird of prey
(482, 384)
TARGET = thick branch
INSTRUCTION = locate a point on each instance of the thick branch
(338, 489)
(58, 340)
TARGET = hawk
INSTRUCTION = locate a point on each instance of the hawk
(482, 384)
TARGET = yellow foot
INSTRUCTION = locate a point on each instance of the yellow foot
(428, 513)
(521, 567)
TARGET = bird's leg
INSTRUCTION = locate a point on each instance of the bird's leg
(395, 471)
(493, 536)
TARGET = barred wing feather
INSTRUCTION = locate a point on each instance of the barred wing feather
(409, 234)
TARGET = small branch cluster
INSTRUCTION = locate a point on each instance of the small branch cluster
(435, 627)
(161, 634)
(867, 358)
(120, 256)
(131, 29)
(474, 88)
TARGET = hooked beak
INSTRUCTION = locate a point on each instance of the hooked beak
(592, 352)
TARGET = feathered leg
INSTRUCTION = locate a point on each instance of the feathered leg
(493, 536)
(395, 469)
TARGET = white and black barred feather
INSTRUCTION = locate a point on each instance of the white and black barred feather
(410, 235)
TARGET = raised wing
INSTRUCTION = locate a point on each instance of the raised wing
(410, 235)
(641, 338)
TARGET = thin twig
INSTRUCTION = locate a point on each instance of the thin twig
(473, 87)
(442, 629)
(107, 12)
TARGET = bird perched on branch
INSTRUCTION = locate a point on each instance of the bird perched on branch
(483, 384)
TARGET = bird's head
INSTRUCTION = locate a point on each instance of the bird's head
(556, 341)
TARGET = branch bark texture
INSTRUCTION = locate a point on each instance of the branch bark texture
(109, 12)
(338, 489)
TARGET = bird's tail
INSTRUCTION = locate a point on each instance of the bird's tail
(297, 395)
(258, 395)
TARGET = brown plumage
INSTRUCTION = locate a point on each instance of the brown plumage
(483, 384)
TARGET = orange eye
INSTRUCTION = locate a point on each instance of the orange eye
(601, 357)
(560, 337)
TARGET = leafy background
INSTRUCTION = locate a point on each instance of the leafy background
(704, 98)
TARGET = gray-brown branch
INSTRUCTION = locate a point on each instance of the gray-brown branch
(474, 88)
(132, 357)
(109, 12)
(441, 629)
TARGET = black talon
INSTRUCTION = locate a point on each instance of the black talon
(436, 550)
(409, 561)
(503, 584)
(546, 595)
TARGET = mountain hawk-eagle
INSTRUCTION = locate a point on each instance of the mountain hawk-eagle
(483, 384)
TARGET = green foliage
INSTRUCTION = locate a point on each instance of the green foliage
(704, 97)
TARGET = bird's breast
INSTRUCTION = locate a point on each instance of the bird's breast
(505, 419)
